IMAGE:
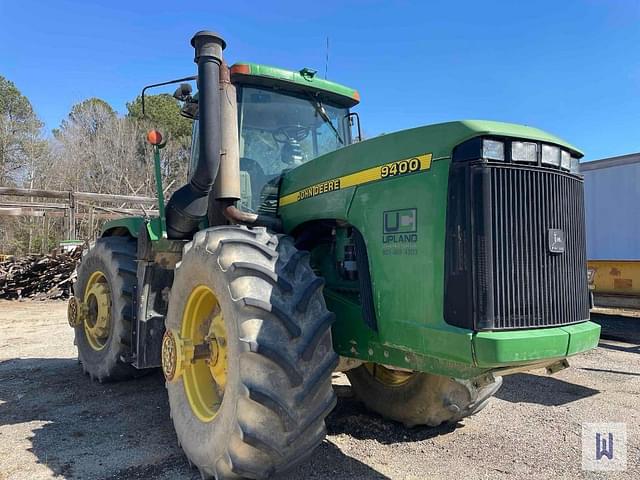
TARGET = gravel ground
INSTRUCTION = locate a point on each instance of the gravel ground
(55, 423)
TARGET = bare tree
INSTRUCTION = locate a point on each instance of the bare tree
(93, 150)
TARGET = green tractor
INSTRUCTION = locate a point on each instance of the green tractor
(426, 264)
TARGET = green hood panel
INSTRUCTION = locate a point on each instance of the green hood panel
(407, 270)
(132, 226)
(440, 139)
(476, 128)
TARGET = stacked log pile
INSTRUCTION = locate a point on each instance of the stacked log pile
(38, 277)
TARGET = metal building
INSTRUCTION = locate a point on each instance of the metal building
(612, 203)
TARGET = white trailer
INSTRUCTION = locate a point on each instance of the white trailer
(612, 204)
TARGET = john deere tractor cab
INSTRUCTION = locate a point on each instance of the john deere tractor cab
(426, 264)
(285, 119)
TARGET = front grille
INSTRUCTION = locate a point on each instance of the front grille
(530, 285)
(501, 273)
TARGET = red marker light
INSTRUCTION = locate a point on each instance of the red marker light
(154, 137)
(356, 95)
(240, 68)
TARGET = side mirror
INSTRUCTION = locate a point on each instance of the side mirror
(183, 92)
(161, 84)
(189, 110)
(350, 119)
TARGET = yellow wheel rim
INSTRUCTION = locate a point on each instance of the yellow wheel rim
(205, 376)
(97, 319)
(387, 376)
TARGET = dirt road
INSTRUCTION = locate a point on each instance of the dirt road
(55, 423)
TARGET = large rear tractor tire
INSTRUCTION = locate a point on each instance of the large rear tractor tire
(247, 354)
(103, 292)
(415, 398)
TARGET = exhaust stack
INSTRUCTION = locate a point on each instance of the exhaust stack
(188, 205)
(227, 185)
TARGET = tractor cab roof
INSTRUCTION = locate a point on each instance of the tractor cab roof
(303, 80)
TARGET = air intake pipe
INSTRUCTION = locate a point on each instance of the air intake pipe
(222, 208)
(227, 186)
(188, 205)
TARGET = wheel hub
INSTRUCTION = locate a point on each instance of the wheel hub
(197, 353)
(74, 314)
(176, 353)
(217, 346)
(95, 311)
(389, 376)
(97, 319)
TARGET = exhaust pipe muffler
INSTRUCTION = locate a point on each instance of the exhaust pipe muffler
(188, 205)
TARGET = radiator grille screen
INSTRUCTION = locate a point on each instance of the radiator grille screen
(503, 224)
(531, 286)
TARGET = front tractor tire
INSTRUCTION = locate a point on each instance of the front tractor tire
(415, 398)
(103, 308)
(247, 354)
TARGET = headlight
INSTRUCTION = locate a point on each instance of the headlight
(565, 160)
(575, 165)
(492, 150)
(524, 152)
(550, 155)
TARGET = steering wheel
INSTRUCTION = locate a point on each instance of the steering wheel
(290, 133)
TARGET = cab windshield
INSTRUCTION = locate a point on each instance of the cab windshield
(279, 131)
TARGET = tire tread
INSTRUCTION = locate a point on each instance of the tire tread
(120, 253)
(295, 322)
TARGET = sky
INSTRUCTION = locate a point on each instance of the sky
(571, 67)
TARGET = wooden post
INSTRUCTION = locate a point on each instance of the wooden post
(46, 234)
(93, 197)
(30, 220)
(90, 233)
(42, 237)
(72, 217)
